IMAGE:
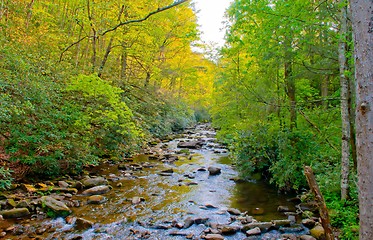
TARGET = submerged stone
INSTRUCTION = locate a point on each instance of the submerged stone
(15, 213)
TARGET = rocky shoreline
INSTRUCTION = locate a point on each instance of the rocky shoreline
(27, 209)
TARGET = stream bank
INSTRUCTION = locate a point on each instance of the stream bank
(185, 188)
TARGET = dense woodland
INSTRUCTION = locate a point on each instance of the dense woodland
(87, 80)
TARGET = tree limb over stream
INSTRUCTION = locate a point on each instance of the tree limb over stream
(176, 3)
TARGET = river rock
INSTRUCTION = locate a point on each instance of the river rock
(317, 232)
(214, 170)
(93, 182)
(15, 213)
(83, 224)
(28, 188)
(137, 200)
(63, 184)
(309, 223)
(229, 230)
(283, 209)
(264, 226)
(214, 237)
(188, 222)
(23, 204)
(281, 223)
(233, 211)
(98, 190)
(59, 208)
(254, 231)
(190, 145)
(306, 237)
(96, 199)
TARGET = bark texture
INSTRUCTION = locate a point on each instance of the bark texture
(362, 22)
(345, 96)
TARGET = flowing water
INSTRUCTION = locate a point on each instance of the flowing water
(172, 196)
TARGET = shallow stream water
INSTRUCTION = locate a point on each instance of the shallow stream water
(186, 191)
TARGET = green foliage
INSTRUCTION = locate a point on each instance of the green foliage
(5, 178)
(104, 115)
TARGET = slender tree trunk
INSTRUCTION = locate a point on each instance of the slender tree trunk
(362, 22)
(108, 49)
(290, 82)
(325, 91)
(123, 69)
(344, 81)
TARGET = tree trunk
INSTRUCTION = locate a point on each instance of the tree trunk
(325, 91)
(344, 81)
(362, 23)
(290, 83)
(324, 215)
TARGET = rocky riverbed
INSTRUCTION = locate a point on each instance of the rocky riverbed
(181, 188)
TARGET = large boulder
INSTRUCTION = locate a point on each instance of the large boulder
(54, 207)
(98, 190)
(15, 213)
(317, 232)
(93, 182)
(214, 170)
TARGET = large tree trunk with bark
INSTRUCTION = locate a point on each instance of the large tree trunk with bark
(362, 22)
(345, 96)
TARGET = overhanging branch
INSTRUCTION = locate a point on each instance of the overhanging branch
(176, 3)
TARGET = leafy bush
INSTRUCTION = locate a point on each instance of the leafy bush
(5, 178)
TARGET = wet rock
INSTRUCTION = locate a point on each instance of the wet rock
(214, 237)
(281, 223)
(317, 232)
(264, 226)
(208, 205)
(78, 185)
(58, 207)
(214, 170)
(178, 233)
(190, 175)
(63, 184)
(257, 211)
(93, 182)
(15, 213)
(83, 224)
(98, 190)
(190, 145)
(292, 218)
(309, 223)
(11, 203)
(254, 231)
(23, 204)
(28, 188)
(188, 222)
(293, 229)
(137, 200)
(306, 237)
(123, 167)
(233, 211)
(200, 220)
(191, 183)
(229, 230)
(64, 190)
(283, 209)
(96, 199)
(289, 237)
(201, 170)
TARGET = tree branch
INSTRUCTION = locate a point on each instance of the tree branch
(176, 3)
